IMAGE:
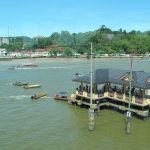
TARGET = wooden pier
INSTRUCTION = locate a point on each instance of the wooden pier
(111, 89)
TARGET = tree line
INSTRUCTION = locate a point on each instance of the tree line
(104, 41)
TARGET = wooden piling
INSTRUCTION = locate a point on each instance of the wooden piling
(98, 108)
(91, 119)
(128, 120)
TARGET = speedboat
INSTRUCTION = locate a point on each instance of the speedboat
(37, 96)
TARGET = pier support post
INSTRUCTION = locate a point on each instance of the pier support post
(91, 119)
(128, 120)
(98, 108)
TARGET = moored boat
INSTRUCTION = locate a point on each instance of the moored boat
(62, 96)
(32, 86)
(37, 96)
(19, 83)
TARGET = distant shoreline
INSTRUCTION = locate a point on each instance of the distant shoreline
(12, 58)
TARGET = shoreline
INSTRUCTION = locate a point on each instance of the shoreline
(85, 57)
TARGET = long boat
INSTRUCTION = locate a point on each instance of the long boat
(28, 65)
(37, 96)
(19, 83)
(32, 86)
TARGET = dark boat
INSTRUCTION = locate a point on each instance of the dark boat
(19, 83)
(37, 96)
(62, 96)
(13, 68)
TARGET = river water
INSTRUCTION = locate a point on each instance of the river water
(48, 124)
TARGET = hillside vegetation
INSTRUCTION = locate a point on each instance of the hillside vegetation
(104, 41)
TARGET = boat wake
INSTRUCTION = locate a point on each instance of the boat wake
(51, 67)
(20, 97)
(25, 68)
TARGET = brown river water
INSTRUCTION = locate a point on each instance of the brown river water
(48, 124)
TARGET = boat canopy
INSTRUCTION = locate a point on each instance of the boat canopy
(62, 93)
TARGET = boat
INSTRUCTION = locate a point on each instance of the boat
(13, 68)
(28, 65)
(37, 96)
(19, 83)
(32, 86)
(62, 96)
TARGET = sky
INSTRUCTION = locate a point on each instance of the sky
(43, 17)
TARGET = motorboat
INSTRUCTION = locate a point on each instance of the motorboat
(19, 83)
(61, 96)
(37, 96)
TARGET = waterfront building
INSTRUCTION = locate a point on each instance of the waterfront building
(3, 52)
(61, 49)
(111, 89)
(45, 52)
(40, 53)
(4, 40)
(26, 53)
(15, 54)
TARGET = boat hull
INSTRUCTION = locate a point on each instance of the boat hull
(12, 68)
(62, 99)
(19, 84)
(31, 86)
(27, 66)
(38, 96)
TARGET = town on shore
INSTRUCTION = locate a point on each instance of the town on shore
(45, 53)
(106, 43)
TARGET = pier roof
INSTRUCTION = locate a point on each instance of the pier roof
(140, 79)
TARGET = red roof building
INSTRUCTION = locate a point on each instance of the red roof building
(41, 50)
(61, 49)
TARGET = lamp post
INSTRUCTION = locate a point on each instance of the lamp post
(91, 110)
(128, 119)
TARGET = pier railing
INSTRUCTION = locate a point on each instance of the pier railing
(115, 95)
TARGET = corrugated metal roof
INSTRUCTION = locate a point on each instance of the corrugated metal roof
(113, 76)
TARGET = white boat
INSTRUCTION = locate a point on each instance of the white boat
(32, 86)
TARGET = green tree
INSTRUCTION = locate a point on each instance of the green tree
(49, 41)
(68, 50)
(41, 43)
(54, 51)
(55, 37)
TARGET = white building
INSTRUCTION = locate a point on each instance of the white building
(4, 40)
(26, 53)
(3, 51)
(40, 53)
(15, 54)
